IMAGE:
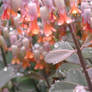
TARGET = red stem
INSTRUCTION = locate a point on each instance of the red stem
(82, 62)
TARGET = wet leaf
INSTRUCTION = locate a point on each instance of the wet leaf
(57, 56)
(6, 76)
(62, 87)
(76, 76)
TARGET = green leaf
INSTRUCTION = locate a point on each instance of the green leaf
(68, 66)
(26, 84)
(57, 56)
(36, 75)
(62, 87)
(6, 76)
(66, 45)
(87, 52)
(76, 76)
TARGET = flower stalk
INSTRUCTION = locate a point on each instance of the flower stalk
(82, 62)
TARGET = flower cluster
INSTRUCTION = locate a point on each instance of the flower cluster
(22, 21)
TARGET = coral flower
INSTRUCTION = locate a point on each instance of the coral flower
(48, 29)
(74, 7)
(25, 64)
(5, 15)
(19, 31)
(34, 28)
(29, 55)
(63, 19)
(74, 10)
(15, 60)
(39, 66)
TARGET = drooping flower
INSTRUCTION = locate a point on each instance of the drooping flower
(74, 7)
(48, 28)
(86, 17)
(15, 60)
(5, 15)
(39, 66)
(25, 64)
(51, 8)
(49, 4)
(29, 55)
(63, 18)
(34, 29)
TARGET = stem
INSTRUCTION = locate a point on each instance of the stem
(4, 57)
(37, 89)
(82, 62)
(46, 78)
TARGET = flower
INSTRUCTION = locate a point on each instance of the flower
(34, 28)
(39, 66)
(15, 60)
(25, 64)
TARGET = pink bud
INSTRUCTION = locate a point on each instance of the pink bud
(25, 42)
(32, 10)
(14, 50)
(22, 51)
(86, 15)
(16, 4)
(49, 4)
(44, 13)
(84, 5)
(36, 54)
(13, 38)
(6, 32)
(59, 4)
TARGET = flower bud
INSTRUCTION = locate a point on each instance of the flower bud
(86, 14)
(46, 46)
(32, 10)
(22, 51)
(14, 50)
(59, 4)
(37, 46)
(25, 42)
(5, 32)
(16, 4)
(13, 37)
(36, 54)
(79, 89)
(49, 4)
(44, 13)
(84, 5)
